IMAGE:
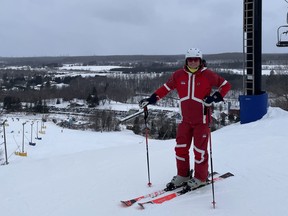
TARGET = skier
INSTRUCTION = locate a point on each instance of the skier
(194, 83)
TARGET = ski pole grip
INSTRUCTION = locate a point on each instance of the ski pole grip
(205, 110)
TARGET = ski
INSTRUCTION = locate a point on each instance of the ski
(183, 191)
(153, 194)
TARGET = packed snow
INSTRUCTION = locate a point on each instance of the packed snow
(72, 173)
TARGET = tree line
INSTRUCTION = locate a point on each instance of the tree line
(119, 87)
(31, 90)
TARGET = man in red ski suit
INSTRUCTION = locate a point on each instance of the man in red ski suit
(194, 83)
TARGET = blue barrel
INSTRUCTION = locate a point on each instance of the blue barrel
(253, 107)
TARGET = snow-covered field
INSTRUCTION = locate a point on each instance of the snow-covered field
(88, 68)
(86, 71)
(266, 70)
(87, 173)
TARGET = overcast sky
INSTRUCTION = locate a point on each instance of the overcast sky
(128, 27)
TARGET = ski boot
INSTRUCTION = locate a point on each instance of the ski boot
(177, 181)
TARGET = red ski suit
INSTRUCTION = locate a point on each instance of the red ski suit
(192, 89)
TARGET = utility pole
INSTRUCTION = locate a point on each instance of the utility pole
(22, 153)
(5, 144)
(31, 142)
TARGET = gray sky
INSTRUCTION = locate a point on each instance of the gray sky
(128, 27)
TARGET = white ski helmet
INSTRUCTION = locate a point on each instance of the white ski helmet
(193, 53)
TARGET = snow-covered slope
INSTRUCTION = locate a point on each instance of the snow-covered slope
(75, 173)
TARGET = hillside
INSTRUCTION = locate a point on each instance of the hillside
(76, 173)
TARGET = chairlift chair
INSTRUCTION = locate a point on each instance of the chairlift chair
(282, 30)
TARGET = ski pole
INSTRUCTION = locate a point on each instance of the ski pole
(211, 159)
(147, 149)
(131, 116)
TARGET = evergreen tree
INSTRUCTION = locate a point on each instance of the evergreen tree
(12, 103)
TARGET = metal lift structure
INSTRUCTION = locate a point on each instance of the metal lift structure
(254, 102)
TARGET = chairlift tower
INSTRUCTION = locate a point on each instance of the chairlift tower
(252, 46)
(254, 102)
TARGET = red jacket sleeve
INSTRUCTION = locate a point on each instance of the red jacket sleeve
(166, 88)
(224, 88)
(219, 82)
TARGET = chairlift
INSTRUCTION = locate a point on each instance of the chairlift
(282, 30)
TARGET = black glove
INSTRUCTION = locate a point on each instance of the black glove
(216, 98)
(151, 100)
